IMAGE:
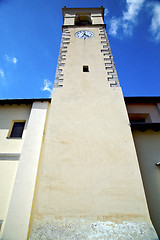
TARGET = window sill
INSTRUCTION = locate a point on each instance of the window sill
(14, 137)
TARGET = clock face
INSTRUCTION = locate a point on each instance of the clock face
(84, 34)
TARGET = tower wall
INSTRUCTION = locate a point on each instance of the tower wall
(89, 184)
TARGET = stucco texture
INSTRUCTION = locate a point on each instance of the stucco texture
(88, 165)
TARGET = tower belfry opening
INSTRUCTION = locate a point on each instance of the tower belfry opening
(82, 20)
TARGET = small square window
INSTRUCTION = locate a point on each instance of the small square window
(85, 69)
(17, 130)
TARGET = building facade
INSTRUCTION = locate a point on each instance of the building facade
(144, 116)
(22, 124)
(78, 175)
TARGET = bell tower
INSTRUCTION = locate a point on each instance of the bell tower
(84, 33)
(88, 184)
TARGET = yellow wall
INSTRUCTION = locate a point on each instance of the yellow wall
(147, 146)
(148, 150)
(8, 171)
(18, 216)
(7, 115)
(9, 147)
(88, 168)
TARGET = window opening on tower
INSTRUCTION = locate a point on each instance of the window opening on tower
(82, 20)
(85, 69)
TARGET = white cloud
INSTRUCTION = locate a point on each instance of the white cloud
(128, 19)
(1, 73)
(127, 28)
(155, 23)
(47, 85)
(14, 60)
(10, 59)
(133, 8)
(114, 24)
(106, 12)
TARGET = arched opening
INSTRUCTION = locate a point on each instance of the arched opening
(82, 20)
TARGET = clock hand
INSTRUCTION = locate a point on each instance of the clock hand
(87, 35)
(84, 35)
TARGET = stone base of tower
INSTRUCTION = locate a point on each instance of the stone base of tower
(92, 229)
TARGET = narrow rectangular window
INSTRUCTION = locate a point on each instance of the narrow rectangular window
(17, 130)
(85, 69)
(1, 221)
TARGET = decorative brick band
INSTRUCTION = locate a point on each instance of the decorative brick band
(59, 78)
(109, 65)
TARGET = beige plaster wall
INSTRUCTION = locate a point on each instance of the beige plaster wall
(8, 146)
(69, 20)
(148, 150)
(88, 167)
(7, 115)
(70, 14)
(8, 171)
(18, 216)
(96, 19)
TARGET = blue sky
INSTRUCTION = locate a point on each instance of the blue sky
(30, 35)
